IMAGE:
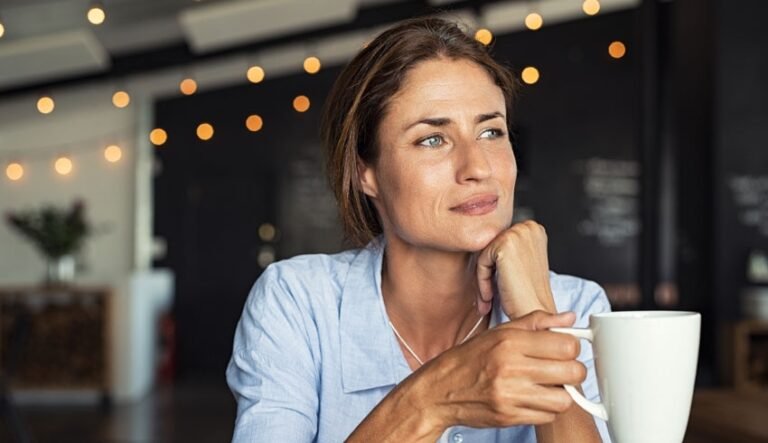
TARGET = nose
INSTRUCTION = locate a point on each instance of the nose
(473, 163)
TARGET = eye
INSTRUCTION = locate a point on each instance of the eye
(432, 141)
(492, 133)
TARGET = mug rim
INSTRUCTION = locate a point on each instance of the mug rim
(645, 315)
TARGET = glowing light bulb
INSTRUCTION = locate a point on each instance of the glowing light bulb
(121, 99)
(255, 74)
(204, 131)
(63, 165)
(530, 75)
(534, 21)
(14, 171)
(312, 65)
(45, 105)
(188, 86)
(254, 123)
(158, 136)
(617, 49)
(301, 103)
(96, 15)
(484, 36)
(113, 153)
(590, 7)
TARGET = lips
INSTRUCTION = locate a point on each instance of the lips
(479, 205)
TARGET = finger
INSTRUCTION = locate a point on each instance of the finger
(554, 372)
(547, 399)
(541, 344)
(486, 266)
(540, 320)
(483, 307)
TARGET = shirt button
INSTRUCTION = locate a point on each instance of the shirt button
(458, 438)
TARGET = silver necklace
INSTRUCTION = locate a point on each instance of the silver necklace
(421, 363)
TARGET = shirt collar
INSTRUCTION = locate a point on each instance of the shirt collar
(368, 359)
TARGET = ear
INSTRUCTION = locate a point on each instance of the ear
(367, 177)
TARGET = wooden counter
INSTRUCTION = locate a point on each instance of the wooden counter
(56, 338)
(728, 416)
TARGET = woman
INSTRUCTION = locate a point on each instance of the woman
(436, 329)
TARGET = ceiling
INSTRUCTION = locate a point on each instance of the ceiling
(50, 41)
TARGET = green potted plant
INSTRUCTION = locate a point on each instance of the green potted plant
(57, 233)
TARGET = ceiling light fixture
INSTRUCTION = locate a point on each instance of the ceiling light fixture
(96, 14)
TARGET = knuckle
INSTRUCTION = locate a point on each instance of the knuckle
(496, 397)
(571, 347)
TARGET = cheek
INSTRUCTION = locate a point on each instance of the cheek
(506, 172)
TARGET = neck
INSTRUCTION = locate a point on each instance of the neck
(429, 296)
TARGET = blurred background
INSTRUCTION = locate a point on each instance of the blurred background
(157, 155)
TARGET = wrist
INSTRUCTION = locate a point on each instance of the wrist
(422, 399)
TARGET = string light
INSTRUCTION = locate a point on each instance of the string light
(530, 75)
(591, 7)
(255, 74)
(45, 104)
(188, 86)
(113, 153)
(534, 21)
(484, 36)
(96, 14)
(204, 131)
(254, 123)
(312, 65)
(301, 103)
(158, 136)
(617, 49)
(14, 171)
(121, 99)
(63, 165)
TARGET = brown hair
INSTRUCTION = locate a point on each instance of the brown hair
(359, 97)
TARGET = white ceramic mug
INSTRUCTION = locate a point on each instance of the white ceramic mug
(646, 367)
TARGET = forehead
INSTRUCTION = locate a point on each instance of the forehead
(445, 81)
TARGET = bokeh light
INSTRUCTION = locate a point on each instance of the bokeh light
(301, 103)
(254, 123)
(113, 153)
(158, 136)
(530, 75)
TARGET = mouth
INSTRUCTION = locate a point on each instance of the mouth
(479, 205)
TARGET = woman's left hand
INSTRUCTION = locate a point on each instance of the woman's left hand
(518, 257)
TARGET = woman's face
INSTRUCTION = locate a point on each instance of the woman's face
(445, 175)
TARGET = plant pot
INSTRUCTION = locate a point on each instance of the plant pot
(60, 270)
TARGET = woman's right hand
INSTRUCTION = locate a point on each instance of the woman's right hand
(510, 375)
(507, 376)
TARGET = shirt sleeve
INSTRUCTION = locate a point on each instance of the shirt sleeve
(592, 301)
(272, 372)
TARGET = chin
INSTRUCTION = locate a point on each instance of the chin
(475, 240)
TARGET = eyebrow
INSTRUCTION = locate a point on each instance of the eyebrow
(443, 121)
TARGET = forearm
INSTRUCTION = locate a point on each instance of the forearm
(573, 426)
(403, 415)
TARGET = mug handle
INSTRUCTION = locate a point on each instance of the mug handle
(596, 409)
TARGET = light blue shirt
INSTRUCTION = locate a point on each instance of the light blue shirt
(314, 353)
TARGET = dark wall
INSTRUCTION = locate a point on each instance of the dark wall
(212, 196)
(741, 149)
